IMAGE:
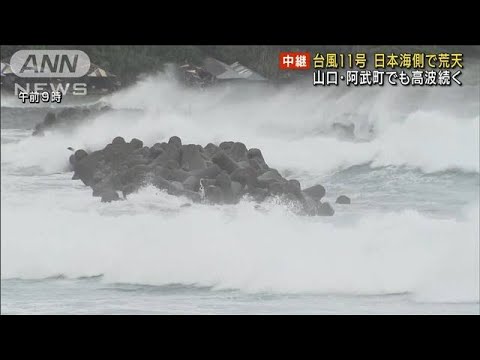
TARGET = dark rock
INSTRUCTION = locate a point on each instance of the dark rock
(204, 183)
(172, 164)
(185, 205)
(97, 191)
(162, 183)
(342, 199)
(105, 184)
(285, 188)
(109, 196)
(211, 149)
(179, 175)
(170, 152)
(325, 209)
(129, 189)
(224, 182)
(162, 172)
(244, 163)
(254, 164)
(295, 184)
(39, 130)
(77, 156)
(137, 144)
(276, 188)
(221, 175)
(270, 176)
(144, 152)
(191, 158)
(115, 154)
(192, 195)
(293, 187)
(226, 145)
(134, 159)
(118, 140)
(209, 173)
(238, 151)
(316, 192)
(310, 206)
(192, 183)
(245, 176)
(64, 119)
(214, 194)
(137, 175)
(225, 162)
(177, 186)
(86, 168)
(80, 154)
(256, 154)
(173, 188)
(292, 200)
(258, 194)
(49, 120)
(237, 189)
(156, 150)
(176, 141)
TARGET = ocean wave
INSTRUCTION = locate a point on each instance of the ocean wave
(300, 128)
(239, 247)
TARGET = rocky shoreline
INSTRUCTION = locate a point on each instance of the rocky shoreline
(213, 174)
(67, 118)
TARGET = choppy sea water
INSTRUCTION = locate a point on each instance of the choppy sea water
(408, 243)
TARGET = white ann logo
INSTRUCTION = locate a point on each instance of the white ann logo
(50, 63)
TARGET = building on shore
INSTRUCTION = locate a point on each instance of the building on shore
(215, 71)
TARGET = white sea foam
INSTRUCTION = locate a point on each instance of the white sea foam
(239, 247)
(426, 128)
(54, 226)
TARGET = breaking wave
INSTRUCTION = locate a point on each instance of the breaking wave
(298, 127)
(240, 247)
(150, 239)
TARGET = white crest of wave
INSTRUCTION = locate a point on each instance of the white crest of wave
(429, 128)
(242, 248)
